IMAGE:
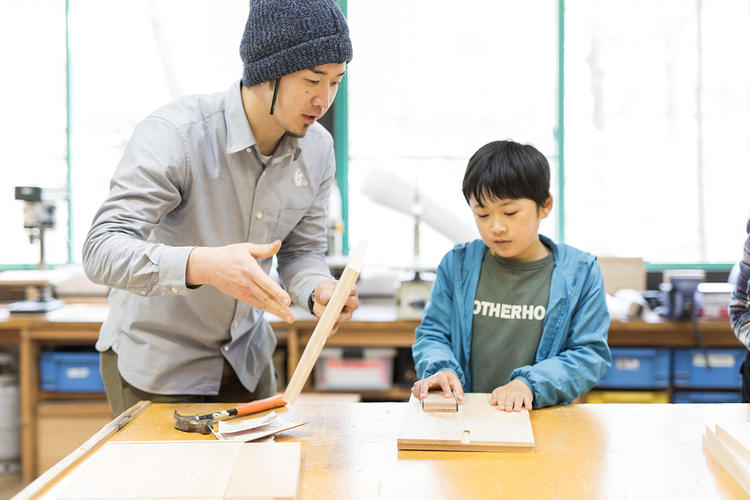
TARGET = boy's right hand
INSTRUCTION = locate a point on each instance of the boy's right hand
(446, 380)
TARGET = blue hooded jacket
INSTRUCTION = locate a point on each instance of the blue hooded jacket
(573, 353)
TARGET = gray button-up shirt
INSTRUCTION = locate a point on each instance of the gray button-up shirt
(191, 176)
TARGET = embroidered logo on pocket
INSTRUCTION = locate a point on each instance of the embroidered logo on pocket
(299, 178)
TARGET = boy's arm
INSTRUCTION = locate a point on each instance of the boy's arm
(432, 350)
(585, 356)
(739, 307)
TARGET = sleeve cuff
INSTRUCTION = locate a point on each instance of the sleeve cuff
(300, 291)
(172, 266)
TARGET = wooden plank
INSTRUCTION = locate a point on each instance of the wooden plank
(187, 469)
(476, 426)
(266, 470)
(728, 457)
(325, 325)
(53, 473)
(737, 436)
(167, 469)
(436, 401)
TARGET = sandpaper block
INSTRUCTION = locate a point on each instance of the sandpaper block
(436, 401)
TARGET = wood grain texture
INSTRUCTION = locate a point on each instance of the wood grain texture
(266, 470)
(728, 456)
(188, 469)
(476, 426)
(325, 325)
(436, 401)
(43, 481)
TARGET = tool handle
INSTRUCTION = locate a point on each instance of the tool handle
(261, 404)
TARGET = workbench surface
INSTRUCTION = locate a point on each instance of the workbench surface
(582, 451)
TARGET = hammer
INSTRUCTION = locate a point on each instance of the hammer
(204, 423)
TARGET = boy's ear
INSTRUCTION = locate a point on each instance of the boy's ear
(547, 207)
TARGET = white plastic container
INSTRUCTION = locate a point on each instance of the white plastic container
(367, 369)
(10, 415)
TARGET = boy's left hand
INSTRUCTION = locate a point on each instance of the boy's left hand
(513, 396)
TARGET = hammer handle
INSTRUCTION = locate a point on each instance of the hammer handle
(261, 404)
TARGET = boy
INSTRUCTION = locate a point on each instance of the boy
(513, 313)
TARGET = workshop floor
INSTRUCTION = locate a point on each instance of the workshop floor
(10, 484)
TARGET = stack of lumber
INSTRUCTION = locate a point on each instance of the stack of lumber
(729, 444)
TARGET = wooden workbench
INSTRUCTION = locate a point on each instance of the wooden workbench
(372, 325)
(581, 451)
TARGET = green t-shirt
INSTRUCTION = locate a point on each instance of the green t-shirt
(509, 310)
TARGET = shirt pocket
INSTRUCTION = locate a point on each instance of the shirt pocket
(287, 220)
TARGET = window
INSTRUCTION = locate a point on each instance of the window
(121, 71)
(33, 100)
(430, 86)
(657, 128)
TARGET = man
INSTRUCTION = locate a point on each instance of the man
(209, 189)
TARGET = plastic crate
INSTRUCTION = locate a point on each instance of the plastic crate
(689, 368)
(637, 368)
(354, 369)
(706, 397)
(627, 397)
(70, 372)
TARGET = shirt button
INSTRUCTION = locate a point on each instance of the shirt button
(226, 348)
(249, 150)
(259, 215)
(142, 292)
(174, 289)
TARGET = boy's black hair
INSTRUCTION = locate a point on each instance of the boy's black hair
(507, 170)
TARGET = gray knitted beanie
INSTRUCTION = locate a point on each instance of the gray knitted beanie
(285, 36)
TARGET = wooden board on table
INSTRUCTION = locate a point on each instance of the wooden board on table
(476, 426)
(188, 469)
(729, 455)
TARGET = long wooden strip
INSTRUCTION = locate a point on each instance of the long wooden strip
(325, 325)
(54, 472)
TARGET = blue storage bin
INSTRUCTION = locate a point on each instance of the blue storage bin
(637, 368)
(70, 372)
(689, 368)
(706, 397)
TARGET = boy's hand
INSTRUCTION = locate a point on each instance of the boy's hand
(513, 396)
(446, 380)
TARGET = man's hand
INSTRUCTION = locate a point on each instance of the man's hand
(322, 295)
(234, 270)
(446, 380)
(513, 396)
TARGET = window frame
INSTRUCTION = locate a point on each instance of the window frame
(341, 140)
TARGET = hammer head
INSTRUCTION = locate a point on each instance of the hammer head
(191, 423)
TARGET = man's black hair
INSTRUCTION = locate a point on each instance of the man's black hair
(507, 170)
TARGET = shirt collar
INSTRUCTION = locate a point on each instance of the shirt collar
(240, 135)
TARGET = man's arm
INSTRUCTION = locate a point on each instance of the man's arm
(146, 185)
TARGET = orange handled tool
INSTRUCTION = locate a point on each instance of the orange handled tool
(204, 423)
